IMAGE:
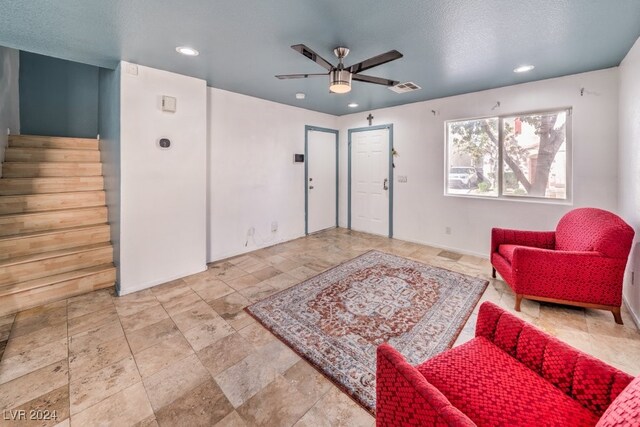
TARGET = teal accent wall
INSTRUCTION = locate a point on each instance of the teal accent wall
(58, 97)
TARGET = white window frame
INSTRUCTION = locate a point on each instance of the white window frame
(568, 200)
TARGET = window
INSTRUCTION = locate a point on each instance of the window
(522, 155)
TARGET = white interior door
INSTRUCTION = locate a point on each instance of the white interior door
(321, 180)
(370, 181)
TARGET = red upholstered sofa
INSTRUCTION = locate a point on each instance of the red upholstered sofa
(581, 263)
(510, 374)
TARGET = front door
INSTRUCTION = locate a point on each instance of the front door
(370, 181)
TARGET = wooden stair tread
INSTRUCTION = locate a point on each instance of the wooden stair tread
(51, 212)
(52, 254)
(38, 154)
(53, 142)
(50, 169)
(52, 280)
(44, 202)
(49, 232)
(45, 185)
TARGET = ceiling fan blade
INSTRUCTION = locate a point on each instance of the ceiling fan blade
(312, 56)
(298, 76)
(392, 55)
(376, 80)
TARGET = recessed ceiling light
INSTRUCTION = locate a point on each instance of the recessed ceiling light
(300, 95)
(185, 50)
(523, 68)
(352, 105)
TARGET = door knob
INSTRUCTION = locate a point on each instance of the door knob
(385, 184)
(311, 187)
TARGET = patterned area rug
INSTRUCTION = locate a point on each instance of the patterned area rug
(337, 319)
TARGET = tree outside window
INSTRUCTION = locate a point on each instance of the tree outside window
(534, 156)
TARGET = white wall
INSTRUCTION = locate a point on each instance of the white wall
(9, 99)
(421, 211)
(109, 130)
(629, 166)
(163, 192)
(252, 178)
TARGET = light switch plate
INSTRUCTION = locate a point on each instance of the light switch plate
(169, 104)
(402, 178)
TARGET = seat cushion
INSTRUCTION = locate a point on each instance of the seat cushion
(494, 389)
(507, 251)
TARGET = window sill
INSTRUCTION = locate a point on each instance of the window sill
(513, 199)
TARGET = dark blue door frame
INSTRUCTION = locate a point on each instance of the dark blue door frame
(364, 129)
(308, 129)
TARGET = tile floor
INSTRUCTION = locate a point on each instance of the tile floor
(185, 353)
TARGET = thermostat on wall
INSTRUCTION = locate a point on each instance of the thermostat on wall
(298, 158)
(164, 143)
(169, 104)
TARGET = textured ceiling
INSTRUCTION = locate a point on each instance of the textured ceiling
(449, 46)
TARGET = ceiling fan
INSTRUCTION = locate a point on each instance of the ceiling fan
(339, 75)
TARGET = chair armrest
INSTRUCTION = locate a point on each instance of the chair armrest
(405, 398)
(536, 239)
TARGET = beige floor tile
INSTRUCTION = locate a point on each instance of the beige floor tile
(257, 335)
(336, 409)
(226, 272)
(95, 358)
(229, 305)
(35, 339)
(212, 288)
(251, 264)
(225, 353)
(243, 282)
(168, 291)
(26, 324)
(266, 273)
(93, 337)
(161, 355)
(208, 332)
(278, 355)
(307, 380)
(89, 303)
(56, 402)
(134, 303)
(181, 302)
(144, 318)
(34, 384)
(126, 407)
(302, 273)
(278, 404)
(258, 292)
(153, 334)
(91, 320)
(177, 379)
(95, 387)
(204, 405)
(246, 378)
(231, 420)
(281, 281)
(198, 313)
(32, 359)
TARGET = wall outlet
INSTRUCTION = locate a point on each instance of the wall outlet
(402, 178)
(251, 231)
(447, 230)
(274, 226)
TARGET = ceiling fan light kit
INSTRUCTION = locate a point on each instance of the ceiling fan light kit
(340, 77)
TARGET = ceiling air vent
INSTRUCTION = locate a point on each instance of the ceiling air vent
(405, 87)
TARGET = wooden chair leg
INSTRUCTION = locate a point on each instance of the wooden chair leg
(616, 315)
(518, 301)
(493, 272)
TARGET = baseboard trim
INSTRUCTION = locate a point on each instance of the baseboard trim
(634, 315)
(446, 248)
(153, 283)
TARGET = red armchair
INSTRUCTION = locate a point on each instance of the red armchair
(510, 374)
(581, 263)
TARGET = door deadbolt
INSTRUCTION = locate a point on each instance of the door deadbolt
(385, 185)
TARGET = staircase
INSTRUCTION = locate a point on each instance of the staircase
(54, 235)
